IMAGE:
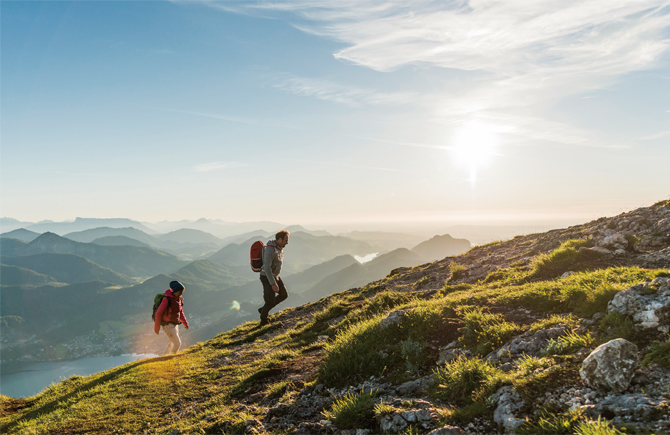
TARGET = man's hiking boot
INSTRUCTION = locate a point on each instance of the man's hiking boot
(264, 323)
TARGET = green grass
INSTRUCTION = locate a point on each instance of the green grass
(353, 411)
(208, 391)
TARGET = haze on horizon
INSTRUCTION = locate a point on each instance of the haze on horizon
(331, 112)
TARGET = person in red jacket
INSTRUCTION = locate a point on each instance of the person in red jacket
(170, 314)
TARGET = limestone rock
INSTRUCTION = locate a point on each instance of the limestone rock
(393, 318)
(401, 419)
(611, 366)
(647, 304)
(451, 352)
(509, 404)
(418, 386)
(634, 406)
(447, 430)
(613, 241)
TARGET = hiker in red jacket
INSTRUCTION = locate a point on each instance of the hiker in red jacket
(170, 314)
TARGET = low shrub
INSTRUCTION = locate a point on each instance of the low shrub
(568, 343)
(353, 411)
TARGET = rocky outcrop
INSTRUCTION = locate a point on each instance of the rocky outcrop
(648, 304)
(611, 366)
(528, 343)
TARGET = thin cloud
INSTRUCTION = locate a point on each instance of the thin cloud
(213, 166)
(346, 165)
(656, 136)
(330, 91)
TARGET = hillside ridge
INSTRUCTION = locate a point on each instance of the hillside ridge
(524, 317)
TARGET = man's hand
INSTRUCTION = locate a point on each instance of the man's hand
(186, 326)
(156, 332)
(275, 288)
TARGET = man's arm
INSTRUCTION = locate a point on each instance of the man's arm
(159, 314)
(268, 257)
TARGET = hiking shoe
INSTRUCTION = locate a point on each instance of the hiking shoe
(264, 323)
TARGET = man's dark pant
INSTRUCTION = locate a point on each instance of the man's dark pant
(270, 297)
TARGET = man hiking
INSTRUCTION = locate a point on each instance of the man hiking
(274, 290)
(170, 314)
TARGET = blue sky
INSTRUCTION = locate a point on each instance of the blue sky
(334, 111)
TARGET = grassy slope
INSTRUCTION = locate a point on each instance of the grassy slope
(206, 381)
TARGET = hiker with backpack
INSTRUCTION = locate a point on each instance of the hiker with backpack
(169, 314)
(268, 259)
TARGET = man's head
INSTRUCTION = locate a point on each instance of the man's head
(177, 288)
(282, 238)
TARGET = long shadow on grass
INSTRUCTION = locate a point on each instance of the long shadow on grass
(48, 407)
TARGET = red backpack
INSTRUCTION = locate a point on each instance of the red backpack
(257, 250)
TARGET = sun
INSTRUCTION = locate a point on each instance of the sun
(473, 146)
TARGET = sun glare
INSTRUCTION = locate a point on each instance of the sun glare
(473, 147)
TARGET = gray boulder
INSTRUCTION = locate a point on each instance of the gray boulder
(611, 366)
(648, 304)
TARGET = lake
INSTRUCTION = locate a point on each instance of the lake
(26, 379)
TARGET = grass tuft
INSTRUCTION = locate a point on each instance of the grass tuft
(464, 381)
(568, 343)
(353, 411)
(596, 427)
(562, 259)
(484, 331)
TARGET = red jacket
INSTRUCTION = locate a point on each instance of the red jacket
(174, 314)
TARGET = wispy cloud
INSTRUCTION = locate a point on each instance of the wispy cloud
(532, 53)
(213, 166)
(347, 165)
(327, 90)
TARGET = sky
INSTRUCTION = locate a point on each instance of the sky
(334, 111)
